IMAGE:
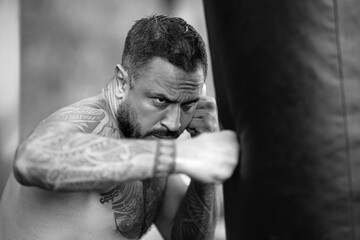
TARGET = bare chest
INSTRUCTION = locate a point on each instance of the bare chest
(134, 205)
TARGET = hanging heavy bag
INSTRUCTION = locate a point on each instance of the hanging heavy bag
(287, 79)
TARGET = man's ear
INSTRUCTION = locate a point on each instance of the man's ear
(122, 81)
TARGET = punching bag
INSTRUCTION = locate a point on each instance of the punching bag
(287, 79)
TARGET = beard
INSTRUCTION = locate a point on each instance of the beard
(128, 121)
(130, 127)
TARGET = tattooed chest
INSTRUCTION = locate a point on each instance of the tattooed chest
(134, 206)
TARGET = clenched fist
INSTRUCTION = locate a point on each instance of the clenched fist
(205, 118)
(209, 158)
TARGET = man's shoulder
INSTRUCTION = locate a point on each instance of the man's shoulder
(95, 102)
(89, 115)
(91, 108)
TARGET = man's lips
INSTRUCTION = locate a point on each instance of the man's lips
(154, 136)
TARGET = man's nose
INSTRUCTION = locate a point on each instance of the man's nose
(171, 118)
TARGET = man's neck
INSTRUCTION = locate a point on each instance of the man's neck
(109, 95)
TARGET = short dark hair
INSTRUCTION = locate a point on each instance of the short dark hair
(169, 38)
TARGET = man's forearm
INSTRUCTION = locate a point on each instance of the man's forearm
(78, 161)
(196, 217)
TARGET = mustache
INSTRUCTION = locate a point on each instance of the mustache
(163, 133)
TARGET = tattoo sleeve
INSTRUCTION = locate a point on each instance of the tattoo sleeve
(76, 149)
(197, 215)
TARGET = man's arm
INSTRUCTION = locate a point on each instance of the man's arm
(71, 151)
(198, 215)
(57, 160)
(188, 211)
(191, 213)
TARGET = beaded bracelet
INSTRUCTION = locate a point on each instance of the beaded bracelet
(164, 158)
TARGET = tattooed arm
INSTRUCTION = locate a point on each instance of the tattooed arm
(188, 212)
(196, 218)
(75, 149)
(77, 161)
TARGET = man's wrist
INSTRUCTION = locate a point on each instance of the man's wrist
(164, 163)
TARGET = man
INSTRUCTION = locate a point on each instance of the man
(107, 167)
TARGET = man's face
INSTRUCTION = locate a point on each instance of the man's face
(161, 103)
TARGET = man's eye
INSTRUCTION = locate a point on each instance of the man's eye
(159, 100)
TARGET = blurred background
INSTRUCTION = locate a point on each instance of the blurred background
(53, 53)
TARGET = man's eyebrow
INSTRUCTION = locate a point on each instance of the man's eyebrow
(167, 98)
(163, 96)
(192, 100)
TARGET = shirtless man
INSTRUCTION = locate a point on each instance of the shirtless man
(108, 167)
